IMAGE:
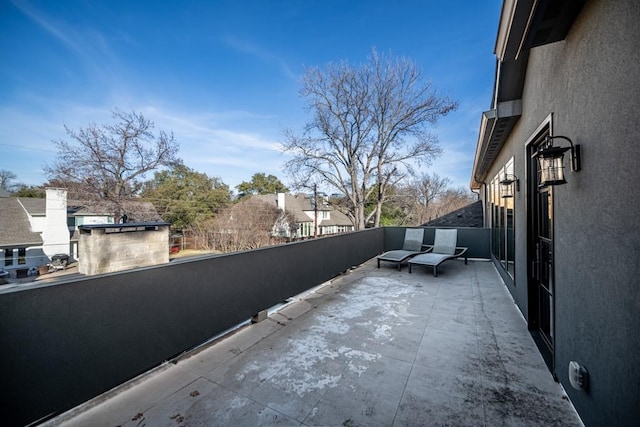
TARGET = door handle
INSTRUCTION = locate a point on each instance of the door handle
(536, 263)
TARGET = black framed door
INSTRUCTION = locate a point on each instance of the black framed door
(541, 291)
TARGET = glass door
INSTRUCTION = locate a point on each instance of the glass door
(544, 255)
(541, 256)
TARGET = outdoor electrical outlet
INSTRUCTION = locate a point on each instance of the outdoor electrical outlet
(578, 376)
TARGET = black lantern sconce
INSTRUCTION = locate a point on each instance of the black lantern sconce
(550, 160)
(507, 185)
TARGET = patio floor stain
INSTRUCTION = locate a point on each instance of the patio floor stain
(375, 347)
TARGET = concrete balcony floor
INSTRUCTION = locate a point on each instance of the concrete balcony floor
(375, 347)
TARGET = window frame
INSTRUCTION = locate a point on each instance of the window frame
(503, 221)
(8, 257)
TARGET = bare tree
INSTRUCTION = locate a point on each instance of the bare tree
(108, 162)
(7, 181)
(370, 127)
(424, 199)
(201, 234)
(421, 195)
(249, 224)
(451, 200)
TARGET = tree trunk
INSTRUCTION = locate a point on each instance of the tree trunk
(360, 223)
(376, 221)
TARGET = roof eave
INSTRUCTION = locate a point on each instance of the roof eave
(14, 245)
(523, 24)
(495, 128)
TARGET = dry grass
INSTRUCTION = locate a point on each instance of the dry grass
(192, 252)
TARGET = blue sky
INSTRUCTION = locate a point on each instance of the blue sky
(223, 76)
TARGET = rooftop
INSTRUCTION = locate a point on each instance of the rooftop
(371, 347)
(471, 215)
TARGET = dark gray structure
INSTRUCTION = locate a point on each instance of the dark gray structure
(570, 253)
(471, 215)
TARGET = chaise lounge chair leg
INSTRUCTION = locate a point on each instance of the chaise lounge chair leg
(378, 263)
(435, 271)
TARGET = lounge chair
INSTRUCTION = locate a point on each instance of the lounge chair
(412, 247)
(444, 248)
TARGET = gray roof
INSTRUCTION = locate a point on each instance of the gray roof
(136, 210)
(295, 205)
(337, 218)
(15, 229)
(76, 207)
(299, 204)
(35, 206)
(468, 216)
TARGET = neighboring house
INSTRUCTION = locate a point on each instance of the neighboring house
(569, 254)
(300, 209)
(20, 246)
(34, 229)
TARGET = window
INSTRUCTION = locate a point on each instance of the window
(22, 256)
(8, 257)
(503, 221)
(305, 229)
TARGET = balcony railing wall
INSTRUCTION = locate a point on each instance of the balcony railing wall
(63, 344)
(66, 343)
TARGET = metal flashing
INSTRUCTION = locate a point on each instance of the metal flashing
(495, 128)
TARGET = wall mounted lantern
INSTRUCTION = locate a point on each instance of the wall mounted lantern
(550, 158)
(507, 185)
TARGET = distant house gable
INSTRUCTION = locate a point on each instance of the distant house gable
(301, 209)
(15, 228)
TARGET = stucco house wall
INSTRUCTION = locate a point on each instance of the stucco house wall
(55, 235)
(586, 87)
(37, 222)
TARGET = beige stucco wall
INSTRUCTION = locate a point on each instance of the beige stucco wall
(106, 252)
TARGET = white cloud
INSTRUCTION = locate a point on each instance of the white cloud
(213, 143)
(90, 46)
(219, 144)
(261, 54)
